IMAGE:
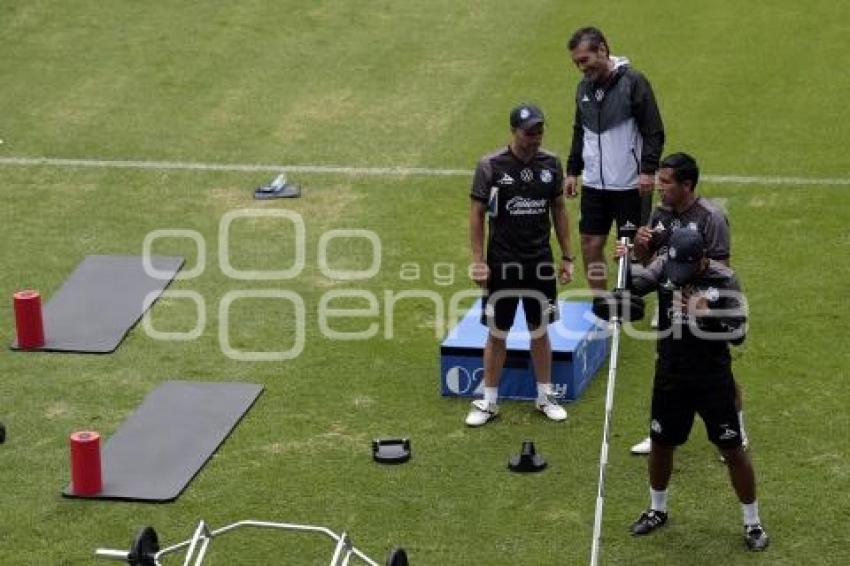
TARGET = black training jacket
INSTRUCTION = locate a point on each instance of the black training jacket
(690, 347)
(617, 132)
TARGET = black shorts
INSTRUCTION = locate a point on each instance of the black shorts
(534, 283)
(676, 401)
(600, 207)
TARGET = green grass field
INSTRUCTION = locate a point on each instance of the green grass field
(752, 89)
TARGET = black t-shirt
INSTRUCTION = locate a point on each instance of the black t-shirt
(695, 347)
(518, 197)
(703, 216)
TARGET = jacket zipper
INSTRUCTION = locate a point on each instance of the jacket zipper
(599, 136)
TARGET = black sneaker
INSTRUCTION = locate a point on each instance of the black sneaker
(648, 521)
(755, 537)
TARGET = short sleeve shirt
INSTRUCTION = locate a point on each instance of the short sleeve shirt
(703, 216)
(518, 197)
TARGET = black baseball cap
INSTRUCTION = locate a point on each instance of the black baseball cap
(684, 254)
(526, 116)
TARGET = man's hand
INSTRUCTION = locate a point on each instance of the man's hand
(479, 272)
(692, 302)
(565, 273)
(571, 186)
(643, 237)
(646, 182)
(620, 250)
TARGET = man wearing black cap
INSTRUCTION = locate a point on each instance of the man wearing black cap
(617, 141)
(519, 188)
(678, 176)
(701, 310)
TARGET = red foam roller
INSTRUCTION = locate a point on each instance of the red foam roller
(28, 322)
(85, 463)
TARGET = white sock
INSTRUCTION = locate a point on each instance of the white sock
(491, 394)
(751, 513)
(543, 392)
(741, 424)
(658, 500)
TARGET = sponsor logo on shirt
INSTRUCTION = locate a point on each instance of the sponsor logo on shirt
(585, 98)
(520, 206)
(527, 175)
(506, 180)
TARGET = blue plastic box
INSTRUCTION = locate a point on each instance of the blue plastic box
(579, 348)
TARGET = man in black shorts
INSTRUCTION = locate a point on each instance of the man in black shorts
(617, 141)
(678, 176)
(519, 188)
(701, 311)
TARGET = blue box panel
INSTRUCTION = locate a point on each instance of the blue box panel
(579, 348)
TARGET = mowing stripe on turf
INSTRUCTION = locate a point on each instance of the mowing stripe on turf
(364, 171)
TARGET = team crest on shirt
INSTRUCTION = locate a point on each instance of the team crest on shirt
(527, 175)
(711, 294)
(693, 226)
(546, 176)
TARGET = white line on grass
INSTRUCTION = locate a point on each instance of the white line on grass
(189, 166)
(363, 171)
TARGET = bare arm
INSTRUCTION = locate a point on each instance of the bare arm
(562, 232)
(478, 269)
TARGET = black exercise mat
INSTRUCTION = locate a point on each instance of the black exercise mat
(157, 451)
(101, 301)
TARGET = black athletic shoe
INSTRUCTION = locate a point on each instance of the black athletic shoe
(648, 521)
(755, 537)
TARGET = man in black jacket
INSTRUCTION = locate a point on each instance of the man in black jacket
(617, 142)
(701, 311)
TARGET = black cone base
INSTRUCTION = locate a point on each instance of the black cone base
(528, 460)
(391, 450)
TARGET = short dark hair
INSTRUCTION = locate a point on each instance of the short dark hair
(591, 35)
(684, 168)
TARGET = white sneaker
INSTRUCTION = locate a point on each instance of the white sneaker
(552, 409)
(481, 412)
(642, 448)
